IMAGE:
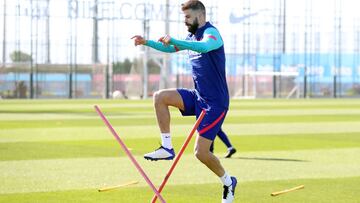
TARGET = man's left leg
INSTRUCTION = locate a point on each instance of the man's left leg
(203, 153)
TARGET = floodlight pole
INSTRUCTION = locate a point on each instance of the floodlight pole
(4, 38)
(31, 54)
(95, 47)
(47, 32)
(146, 29)
(164, 71)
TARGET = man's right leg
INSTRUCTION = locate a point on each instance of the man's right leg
(162, 100)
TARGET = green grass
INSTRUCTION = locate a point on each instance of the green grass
(133, 121)
(60, 151)
(340, 190)
(110, 148)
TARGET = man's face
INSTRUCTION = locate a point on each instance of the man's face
(191, 20)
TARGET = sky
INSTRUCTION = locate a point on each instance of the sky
(65, 30)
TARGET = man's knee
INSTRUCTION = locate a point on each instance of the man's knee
(202, 155)
(159, 97)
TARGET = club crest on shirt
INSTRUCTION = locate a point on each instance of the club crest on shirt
(193, 54)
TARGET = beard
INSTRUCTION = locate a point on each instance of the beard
(193, 27)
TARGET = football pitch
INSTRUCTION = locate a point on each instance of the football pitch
(60, 151)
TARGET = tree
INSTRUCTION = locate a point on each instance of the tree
(122, 67)
(153, 67)
(19, 56)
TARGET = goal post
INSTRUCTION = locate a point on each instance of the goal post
(260, 84)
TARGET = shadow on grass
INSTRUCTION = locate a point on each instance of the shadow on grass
(269, 159)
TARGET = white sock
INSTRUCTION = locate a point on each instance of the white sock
(226, 179)
(166, 140)
(230, 148)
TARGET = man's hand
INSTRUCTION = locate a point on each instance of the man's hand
(165, 40)
(138, 40)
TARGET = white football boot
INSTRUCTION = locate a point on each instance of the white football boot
(229, 191)
(161, 153)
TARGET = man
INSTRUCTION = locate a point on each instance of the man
(207, 57)
(224, 138)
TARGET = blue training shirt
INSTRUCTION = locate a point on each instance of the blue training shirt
(207, 57)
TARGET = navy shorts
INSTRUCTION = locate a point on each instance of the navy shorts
(213, 119)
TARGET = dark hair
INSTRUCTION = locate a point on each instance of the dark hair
(193, 5)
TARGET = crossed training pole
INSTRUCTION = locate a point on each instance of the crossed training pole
(133, 160)
(177, 158)
(138, 167)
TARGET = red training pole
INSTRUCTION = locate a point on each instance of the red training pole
(197, 123)
(138, 167)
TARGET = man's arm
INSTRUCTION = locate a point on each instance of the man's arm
(211, 41)
(139, 40)
(161, 47)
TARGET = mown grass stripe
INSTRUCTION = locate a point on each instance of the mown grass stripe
(142, 121)
(293, 128)
(66, 116)
(110, 148)
(293, 112)
(99, 133)
(321, 190)
(148, 108)
(141, 115)
(83, 106)
(341, 101)
(66, 174)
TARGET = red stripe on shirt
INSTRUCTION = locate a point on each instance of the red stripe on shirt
(212, 37)
(176, 48)
(212, 124)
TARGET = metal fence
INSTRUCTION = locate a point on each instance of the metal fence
(82, 48)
